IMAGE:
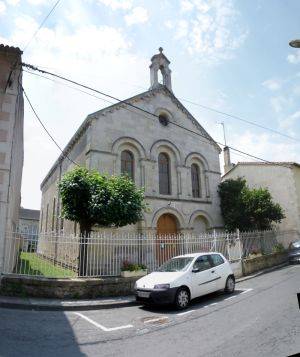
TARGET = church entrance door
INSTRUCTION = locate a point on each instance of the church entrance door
(166, 239)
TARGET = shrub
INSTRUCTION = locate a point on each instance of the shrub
(278, 248)
(128, 266)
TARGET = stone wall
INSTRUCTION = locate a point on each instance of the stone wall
(66, 288)
(262, 262)
(11, 147)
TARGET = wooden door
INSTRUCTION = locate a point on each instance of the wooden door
(166, 240)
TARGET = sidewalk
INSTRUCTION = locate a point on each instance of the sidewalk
(95, 304)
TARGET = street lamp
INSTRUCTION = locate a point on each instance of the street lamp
(295, 43)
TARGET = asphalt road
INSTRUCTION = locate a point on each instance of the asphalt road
(262, 318)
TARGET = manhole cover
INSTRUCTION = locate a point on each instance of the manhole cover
(155, 320)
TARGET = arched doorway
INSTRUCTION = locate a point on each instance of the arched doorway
(166, 239)
(200, 225)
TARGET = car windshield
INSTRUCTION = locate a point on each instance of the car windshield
(176, 264)
(295, 244)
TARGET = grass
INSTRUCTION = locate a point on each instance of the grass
(31, 264)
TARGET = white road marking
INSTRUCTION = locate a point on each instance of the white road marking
(156, 320)
(103, 328)
(231, 297)
(215, 303)
(185, 313)
(246, 291)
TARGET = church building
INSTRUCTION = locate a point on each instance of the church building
(161, 146)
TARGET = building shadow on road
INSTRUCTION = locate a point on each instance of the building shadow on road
(37, 333)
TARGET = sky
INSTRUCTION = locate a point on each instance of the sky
(232, 56)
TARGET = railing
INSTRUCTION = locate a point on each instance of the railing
(102, 254)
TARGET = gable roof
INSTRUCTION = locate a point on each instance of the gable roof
(287, 164)
(122, 104)
(25, 213)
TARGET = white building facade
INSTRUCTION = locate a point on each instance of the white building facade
(282, 179)
(161, 146)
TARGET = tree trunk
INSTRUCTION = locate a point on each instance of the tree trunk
(85, 230)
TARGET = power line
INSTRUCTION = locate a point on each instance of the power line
(241, 119)
(230, 116)
(74, 88)
(44, 127)
(34, 68)
(41, 25)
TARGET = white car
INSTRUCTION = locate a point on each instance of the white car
(186, 277)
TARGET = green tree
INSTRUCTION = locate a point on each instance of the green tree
(247, 209)
(260, 208)
(90, 198)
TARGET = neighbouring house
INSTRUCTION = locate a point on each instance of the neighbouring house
(11, 149)
(282, 179)
(179, 170)
(29, 228)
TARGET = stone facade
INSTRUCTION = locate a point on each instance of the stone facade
(105, 134)
(11, 145)
(282, 179)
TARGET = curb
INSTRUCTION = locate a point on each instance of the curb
(59, 305)
(31, 304)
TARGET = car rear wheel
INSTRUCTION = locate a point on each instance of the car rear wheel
(230, 285)
(182, 298)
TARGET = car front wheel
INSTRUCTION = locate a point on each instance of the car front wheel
(182, 298)
(230, 285)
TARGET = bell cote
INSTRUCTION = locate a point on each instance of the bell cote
(159, 62)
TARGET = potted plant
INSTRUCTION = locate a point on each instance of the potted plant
(129, 269)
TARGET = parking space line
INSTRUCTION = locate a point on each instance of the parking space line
(246, 291)
(103, 328)
(185, 313)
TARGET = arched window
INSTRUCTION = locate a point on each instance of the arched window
(127, 164)
(196, 188)
(164, 174)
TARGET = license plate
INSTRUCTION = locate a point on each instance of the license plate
(143, 294)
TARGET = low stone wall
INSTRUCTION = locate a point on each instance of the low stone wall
(66, 288)
(253, 265)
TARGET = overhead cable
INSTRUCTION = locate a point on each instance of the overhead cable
(41, 25)
(46, 130)
(119, 101)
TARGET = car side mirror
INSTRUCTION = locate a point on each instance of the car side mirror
(195, 270)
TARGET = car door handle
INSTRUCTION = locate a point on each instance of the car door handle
(212, 271)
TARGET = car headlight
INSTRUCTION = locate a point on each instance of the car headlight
(162, 286)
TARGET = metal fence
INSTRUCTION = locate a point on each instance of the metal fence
(102, 254)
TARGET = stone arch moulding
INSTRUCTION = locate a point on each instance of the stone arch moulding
(128, 141)
(204, 214)
(194, 157)
(155, 149)
(169, 210)
(165, 111)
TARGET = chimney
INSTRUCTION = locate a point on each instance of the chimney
(227, 163)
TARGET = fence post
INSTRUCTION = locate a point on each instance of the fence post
(227, 245)
(215, 241)
(239, 243)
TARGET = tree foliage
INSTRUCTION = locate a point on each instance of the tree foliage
(91, 198)
(247, 209)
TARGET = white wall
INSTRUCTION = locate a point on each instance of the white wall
(280, 181)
